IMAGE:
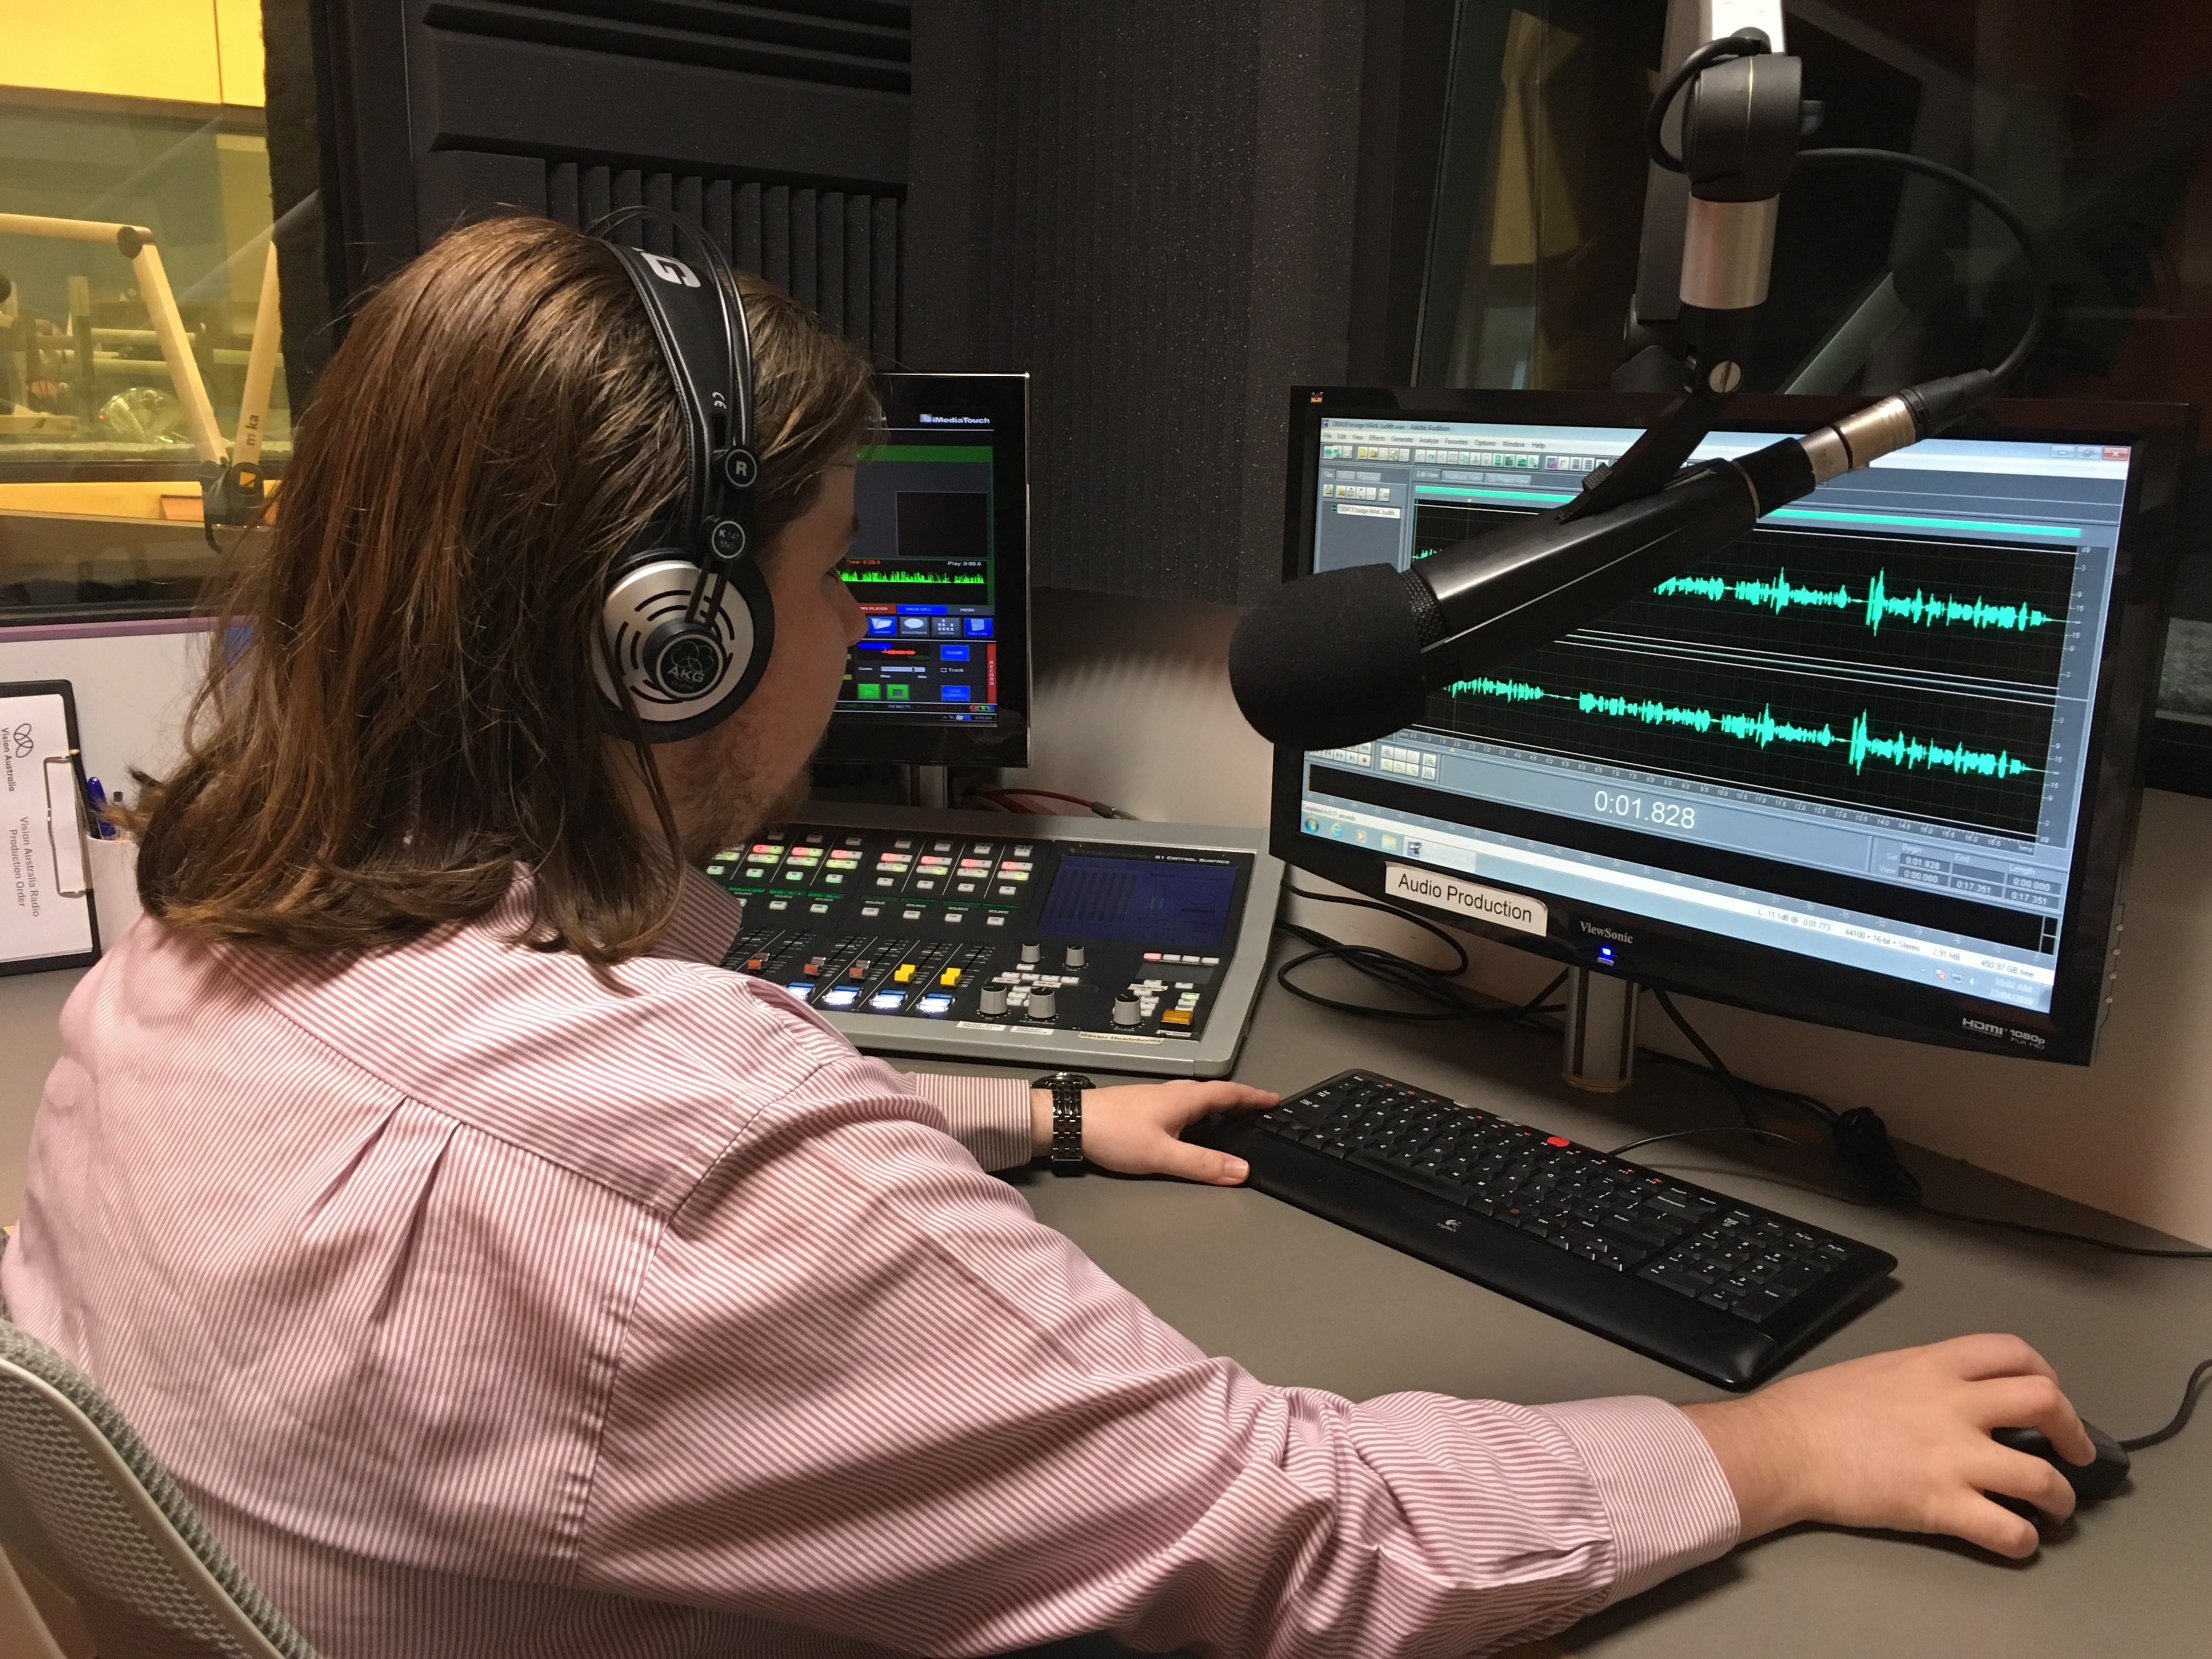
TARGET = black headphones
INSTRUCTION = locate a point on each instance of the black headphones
(688, 623)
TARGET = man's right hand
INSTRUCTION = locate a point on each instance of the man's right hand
(1902, 1441)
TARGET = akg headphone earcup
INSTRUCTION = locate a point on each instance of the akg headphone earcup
(683, 679)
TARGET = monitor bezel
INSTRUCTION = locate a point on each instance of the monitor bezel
(1704, 963)
(1004, 398)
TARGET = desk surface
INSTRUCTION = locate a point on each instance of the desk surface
(1299, 1301)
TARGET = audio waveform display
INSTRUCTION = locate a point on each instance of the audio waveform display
(1778, 593)
(1511, 691)
(913, 577)
(1914, 678)
(1900, 749)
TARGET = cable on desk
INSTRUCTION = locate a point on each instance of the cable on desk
(1713, 1061)
(2180, 1421)
(1710, 1129)
(1862, 1142)
(1859, 1136)
(2029, 1227)
(1434, 985)
(1009, 800)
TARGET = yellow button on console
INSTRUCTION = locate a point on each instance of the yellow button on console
(903, 975)
(949, 976)
(1176, 1016)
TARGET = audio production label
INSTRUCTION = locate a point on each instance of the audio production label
(1470, 898)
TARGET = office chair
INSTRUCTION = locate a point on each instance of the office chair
(84, 1502)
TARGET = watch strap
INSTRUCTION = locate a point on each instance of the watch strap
(1066, 1122)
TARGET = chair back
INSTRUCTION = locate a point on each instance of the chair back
(84, 1504)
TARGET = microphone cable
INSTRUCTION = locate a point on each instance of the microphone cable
(1751, 43)
(2038, 273)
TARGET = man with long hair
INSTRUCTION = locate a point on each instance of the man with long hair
(499, 1276)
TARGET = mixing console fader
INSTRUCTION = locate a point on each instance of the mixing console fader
(1079, 943)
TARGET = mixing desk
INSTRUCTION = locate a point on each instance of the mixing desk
(1081, 943)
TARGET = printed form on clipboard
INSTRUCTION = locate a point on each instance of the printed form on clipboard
(47, 917)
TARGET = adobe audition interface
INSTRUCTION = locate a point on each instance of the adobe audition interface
(1858, 735)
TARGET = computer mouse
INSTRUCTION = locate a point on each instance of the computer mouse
(2098, 1478)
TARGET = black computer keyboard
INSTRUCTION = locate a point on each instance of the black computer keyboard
(1722, 1289)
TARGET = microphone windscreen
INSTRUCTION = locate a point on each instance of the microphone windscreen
(1329, 659)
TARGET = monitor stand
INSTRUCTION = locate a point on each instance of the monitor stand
(925, 786)
(1601, 1031)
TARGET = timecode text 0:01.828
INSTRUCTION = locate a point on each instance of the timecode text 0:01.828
(1665, 814)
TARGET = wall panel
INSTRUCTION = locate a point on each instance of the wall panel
(1147, 206)
(783, 127)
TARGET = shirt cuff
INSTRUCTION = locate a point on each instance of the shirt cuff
(1661, 1487)
(988, 1115)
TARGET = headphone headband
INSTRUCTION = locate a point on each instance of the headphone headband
(687, 620)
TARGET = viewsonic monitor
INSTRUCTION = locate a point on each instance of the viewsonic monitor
(940, 566)
(1876, 765)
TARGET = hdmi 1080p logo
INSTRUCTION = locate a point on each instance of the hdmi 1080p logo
(1469, 898)
(1989, 1029)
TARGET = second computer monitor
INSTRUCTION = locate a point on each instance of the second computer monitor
(940, 567)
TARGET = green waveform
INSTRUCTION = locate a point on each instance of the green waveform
(1859, 745)
(1764, 729)
(1780, 595)
(909, 576)
(1511, 691)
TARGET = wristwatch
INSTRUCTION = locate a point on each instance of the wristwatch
(1067, 1089)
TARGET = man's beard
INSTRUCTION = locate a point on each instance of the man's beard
(735, 801)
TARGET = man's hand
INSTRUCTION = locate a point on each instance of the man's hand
(1901, 1440)
(1135, 1129)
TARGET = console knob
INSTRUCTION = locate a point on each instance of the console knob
(1045, 1004)
(1075, 956)
(1030, 953)
(992, 1001)
(1125, 1009)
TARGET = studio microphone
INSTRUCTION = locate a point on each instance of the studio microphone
(1345, 656)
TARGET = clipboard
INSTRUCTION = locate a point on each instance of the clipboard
(46, 916)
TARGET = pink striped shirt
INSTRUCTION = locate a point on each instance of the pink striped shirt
(489, 1305)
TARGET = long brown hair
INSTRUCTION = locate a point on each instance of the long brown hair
(399, 707)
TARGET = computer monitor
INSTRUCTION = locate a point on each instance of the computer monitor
(1876, 765)
(940, 565)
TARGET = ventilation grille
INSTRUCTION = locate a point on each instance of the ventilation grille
(836, 252)
(848, 43)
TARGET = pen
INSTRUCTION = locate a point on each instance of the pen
(98, 796)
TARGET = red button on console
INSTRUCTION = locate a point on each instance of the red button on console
(1557, 1140)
